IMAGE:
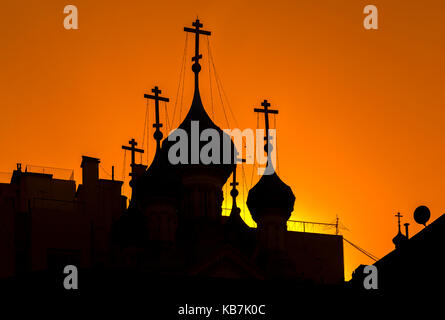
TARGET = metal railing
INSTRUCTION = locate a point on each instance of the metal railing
(57, 173)
(5, 177)
(312, 227)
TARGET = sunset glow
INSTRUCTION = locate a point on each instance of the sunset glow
(361, 112)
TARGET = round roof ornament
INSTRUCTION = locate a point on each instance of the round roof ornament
(422, 214)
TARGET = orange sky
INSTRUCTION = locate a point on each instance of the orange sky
(359, 129)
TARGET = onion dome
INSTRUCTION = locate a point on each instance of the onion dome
(157, 182)
(399, 239)
(201, 121)
(236, 231)
(235, 216)
(270, 195)
(196, 121)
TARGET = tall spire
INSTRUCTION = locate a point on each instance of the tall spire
(268, 146)
(158, 134)
(399, 238)
(234, 193)
(198, 115)
(270, 193)
(196, 67)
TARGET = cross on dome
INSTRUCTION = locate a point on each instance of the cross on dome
(197, 24)
(266, 112)
(398, 215)
(133, 150)
(158, 134)
(196, 67)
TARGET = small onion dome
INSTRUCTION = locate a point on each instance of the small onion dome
(270, 193)
(235, 217)
(157, 182)
(399, 239)
(198, 113)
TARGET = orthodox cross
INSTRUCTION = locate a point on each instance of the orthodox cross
(398, 215)
(158, 134)
(197, 31)
(266, 112)
(133, 150)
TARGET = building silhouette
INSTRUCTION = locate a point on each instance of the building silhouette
(173, 226)
(416, 264)
(48, 224)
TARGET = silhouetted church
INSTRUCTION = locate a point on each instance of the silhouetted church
(174, 224)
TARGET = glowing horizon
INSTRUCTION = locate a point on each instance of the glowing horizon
(360, 124)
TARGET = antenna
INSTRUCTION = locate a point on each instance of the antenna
(336, 225)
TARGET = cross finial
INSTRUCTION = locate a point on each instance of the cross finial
(156, 91)
(268, 146)
(398, 215)
(197, 24)
(196, 67)
(158, 134)
(133, 150)
(265, 104)
(234, 183)
(266, 112)
(234, 192)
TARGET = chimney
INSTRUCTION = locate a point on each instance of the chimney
(90, 170)
(406, 230)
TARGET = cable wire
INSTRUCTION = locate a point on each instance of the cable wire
(123, 171)
(210, 78)
(183, 81)
(276, 142)
(218, 86)
(181, 76)
(219, 83)
(369, 255)
(167, 126)
(106, 172)
(145, 128)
